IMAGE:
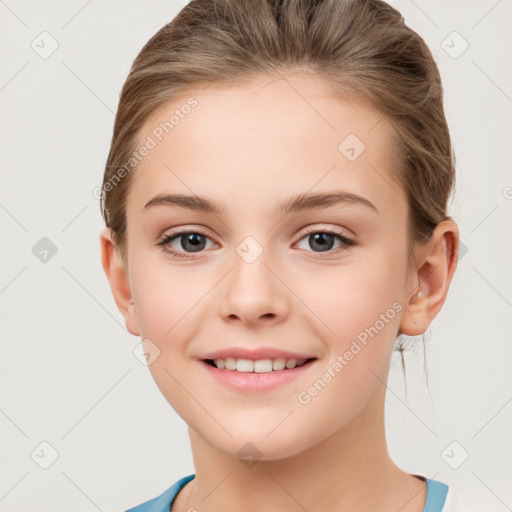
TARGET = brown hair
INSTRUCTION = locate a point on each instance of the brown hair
(360, 48)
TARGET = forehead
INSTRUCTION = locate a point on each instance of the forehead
(264, 141)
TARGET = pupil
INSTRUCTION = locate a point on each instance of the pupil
(195, 240)
(320, 239)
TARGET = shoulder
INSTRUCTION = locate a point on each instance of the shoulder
(456, 501)
(442, 497)
(162, 503)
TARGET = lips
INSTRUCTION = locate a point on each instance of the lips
(255, 354)
(260, 378)
(258, 365)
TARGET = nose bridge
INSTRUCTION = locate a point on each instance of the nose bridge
(252, 291)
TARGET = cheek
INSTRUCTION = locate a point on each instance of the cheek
(157, 305)
(166, 296)
(349, 299)
(168, 315)
(362, 309)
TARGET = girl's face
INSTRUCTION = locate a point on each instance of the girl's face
(255, 275)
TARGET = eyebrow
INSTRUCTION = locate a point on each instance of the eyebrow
(298, 203)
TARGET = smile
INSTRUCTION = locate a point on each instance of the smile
(259, 375)
(256, 366)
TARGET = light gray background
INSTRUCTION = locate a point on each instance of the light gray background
(68, 374)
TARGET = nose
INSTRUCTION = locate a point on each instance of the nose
(252, 293)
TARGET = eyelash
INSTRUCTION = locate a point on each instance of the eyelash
(175, 254)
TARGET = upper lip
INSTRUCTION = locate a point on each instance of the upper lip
(254, 354)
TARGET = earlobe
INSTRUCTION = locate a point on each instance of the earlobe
(117, 275)
(437, 262)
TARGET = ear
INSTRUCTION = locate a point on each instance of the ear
(117, 275)
(437, 261)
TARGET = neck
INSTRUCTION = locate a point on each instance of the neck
(350, 470)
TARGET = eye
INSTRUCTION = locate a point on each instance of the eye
(193, 241)
(324, 240)
(190, 241)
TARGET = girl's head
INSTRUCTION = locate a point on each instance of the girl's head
(303, 147)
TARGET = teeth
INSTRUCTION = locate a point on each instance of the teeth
(263, 366)
(230, 363)
(244, 365)
(279, 364)
(259, 366)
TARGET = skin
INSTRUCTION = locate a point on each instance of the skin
(249, 148)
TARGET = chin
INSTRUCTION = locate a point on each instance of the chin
(251, 448)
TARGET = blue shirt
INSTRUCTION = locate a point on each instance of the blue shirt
(436, 497)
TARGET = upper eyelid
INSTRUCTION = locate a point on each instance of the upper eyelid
(182, 232)
(202, 231)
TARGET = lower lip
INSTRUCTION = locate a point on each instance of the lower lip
(251, 381)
